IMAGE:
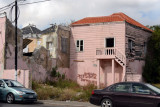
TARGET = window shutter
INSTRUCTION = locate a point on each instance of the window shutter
(77, 45)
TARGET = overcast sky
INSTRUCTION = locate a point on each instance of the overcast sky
(43, 14)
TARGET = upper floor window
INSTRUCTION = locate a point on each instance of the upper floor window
(38, 43)
(145, 47)
(49, 45)
(109, 42)
(64, 44)
(80, 45)
(130, 45)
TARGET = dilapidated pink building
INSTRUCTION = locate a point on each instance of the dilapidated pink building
(106, 50)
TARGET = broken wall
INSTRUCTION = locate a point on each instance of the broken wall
(40, 64)
(2, 43)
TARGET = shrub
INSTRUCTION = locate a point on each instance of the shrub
(63, 83)
(88, 90)
(44, 93)
(68, 94)
(63, 76)
(54, 72)
(56, 93)
(35, 85)
(66, 83)
(63, 90)
(84, 93)
(151, 72)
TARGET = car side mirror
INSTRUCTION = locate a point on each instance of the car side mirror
(2, 85)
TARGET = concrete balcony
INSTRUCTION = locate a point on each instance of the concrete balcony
(111, 53)
(105, 53)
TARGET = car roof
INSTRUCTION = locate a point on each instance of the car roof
(131, 82)
(5, 79)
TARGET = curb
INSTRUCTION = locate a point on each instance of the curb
(39, 102)
(68, 105)
(65, 105)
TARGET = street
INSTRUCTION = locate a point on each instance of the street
(49, 103)
(2, 104)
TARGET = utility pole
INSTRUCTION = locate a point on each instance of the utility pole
(16, 40)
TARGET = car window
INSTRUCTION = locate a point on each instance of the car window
(155, 89)
(122, 88)
(13, 83)
(140, 89)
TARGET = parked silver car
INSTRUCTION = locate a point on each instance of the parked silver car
(11, 91)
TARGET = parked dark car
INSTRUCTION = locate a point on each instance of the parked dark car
(11, 91)
(127, 94)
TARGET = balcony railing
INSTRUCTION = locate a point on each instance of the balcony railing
(110, 53)
(105, 51)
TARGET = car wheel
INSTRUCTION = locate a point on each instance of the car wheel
(10, 98)
(106, 103)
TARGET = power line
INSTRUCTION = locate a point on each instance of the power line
(34, 2)
(5, 9)
(10, 13)
(7, 5)
(11, 4)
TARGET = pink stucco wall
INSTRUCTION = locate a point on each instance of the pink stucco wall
(2, 43)
(22, 77)
(83, 65)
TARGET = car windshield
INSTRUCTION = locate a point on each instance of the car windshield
(154, 88)
(13, 83)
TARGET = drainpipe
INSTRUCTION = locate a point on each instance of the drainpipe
(16, 40)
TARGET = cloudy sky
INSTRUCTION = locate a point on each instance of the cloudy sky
(43, 14)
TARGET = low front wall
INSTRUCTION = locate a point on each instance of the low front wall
(134, 77)
(97, 72)
(84, 71)
(22, 76)
(64, 71)
(136, 67)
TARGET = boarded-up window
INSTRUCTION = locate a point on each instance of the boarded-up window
(80, 45)
(130, 45)
(145, 47)
(64, 45)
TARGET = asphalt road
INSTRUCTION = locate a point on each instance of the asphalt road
(2, 104)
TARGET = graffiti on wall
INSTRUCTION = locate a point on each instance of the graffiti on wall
(88, 78)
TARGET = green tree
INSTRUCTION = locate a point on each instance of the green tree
(151, 71)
